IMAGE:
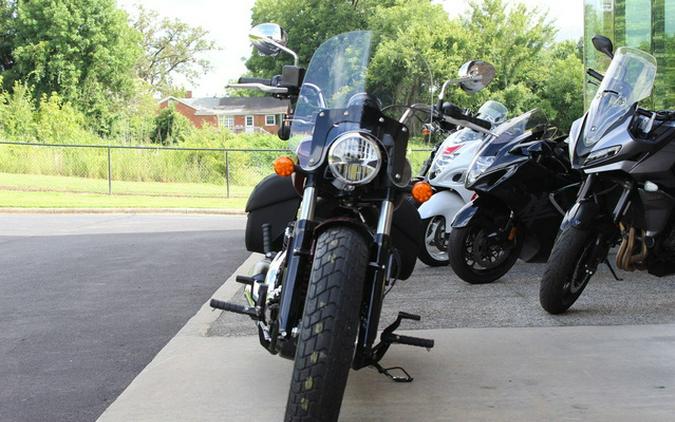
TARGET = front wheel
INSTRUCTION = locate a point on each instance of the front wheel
(572, 264)
(434, 252)
(329, 325)
(479, 253)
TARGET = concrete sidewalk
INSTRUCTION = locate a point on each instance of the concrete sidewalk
(508, 374)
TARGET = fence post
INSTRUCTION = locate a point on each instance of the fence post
(227, 173)
(109, 173)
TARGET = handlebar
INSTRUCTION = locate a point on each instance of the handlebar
(245, 80)
(459, 116)
(595, 75)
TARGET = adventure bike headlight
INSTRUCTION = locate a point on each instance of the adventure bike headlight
(603, 154)
(354, 158)
(479, 165)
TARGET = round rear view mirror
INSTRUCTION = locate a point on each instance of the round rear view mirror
(476, 75)
(267, 38)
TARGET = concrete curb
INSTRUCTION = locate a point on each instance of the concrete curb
(203, 211)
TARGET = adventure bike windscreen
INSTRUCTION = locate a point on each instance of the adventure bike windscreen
(629, 79)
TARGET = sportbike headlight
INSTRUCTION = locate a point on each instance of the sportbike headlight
(479, 165)
(354, 158)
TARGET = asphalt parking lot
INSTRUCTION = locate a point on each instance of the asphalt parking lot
(444, 301)
(87, 301)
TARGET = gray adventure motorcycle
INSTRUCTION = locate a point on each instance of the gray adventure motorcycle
(627, 154)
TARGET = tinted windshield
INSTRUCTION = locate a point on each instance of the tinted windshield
(513, 131)
(335, 76)
(346, 77)
(629, 79)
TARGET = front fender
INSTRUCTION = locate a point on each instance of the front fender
(581, 216)
(445, 204)
(465, 215)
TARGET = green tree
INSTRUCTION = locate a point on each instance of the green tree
(171, 48)
(309, 23)
(171, 127)
(82, 49)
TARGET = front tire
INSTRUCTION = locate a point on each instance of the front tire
(568, 271)
(494, 261)
(329, 326)
(434, 251)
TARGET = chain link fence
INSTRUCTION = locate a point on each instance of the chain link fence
(140, 170)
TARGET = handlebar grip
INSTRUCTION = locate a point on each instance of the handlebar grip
(245, 80)
(595, 75)
(478, 122)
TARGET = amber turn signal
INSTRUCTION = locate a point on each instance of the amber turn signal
(426, 131)
(422, 192)
(284, 166)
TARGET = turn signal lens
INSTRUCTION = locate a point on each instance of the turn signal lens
(284, 166)
(426, 131)
(422, 192)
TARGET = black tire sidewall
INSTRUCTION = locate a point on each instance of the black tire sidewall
(329, 326)
(456, 254)
(565, 255)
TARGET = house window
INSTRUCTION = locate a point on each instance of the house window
(270, 120)
(249, 121)
(226, 121)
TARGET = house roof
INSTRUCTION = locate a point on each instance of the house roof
(208, 106)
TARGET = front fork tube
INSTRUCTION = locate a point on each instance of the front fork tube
(298, 256)
(370, 318)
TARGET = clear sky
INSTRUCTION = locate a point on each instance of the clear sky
(228, 23)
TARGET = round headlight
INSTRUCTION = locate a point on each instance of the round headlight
(354, 158)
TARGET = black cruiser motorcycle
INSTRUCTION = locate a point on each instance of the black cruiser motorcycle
(523, 184)
(627, 154)
(334, 224)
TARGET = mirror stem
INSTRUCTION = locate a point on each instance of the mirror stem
(296, 59)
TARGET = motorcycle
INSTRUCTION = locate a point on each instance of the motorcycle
(523, 183)
(626, 154)
(446, 175)
(334, 224)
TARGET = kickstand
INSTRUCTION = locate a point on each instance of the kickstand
(611, 269)
(387, 372)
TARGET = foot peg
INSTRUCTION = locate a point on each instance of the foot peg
(237, 309)
(388, 338)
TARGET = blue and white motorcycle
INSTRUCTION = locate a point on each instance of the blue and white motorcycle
(446, 175)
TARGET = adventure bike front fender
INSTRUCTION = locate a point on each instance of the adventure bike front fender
(581, 216)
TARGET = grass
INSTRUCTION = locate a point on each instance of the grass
(21, 199)
(39, 191)
(32, 182)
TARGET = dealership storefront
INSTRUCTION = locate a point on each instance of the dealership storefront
(645, 24)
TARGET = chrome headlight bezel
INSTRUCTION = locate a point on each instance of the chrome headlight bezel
(368, 155)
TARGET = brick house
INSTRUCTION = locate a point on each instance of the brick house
(239, 114)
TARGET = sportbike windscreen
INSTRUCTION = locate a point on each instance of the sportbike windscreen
(629, 79)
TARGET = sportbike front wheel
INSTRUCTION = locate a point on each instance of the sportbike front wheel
(329, 326)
